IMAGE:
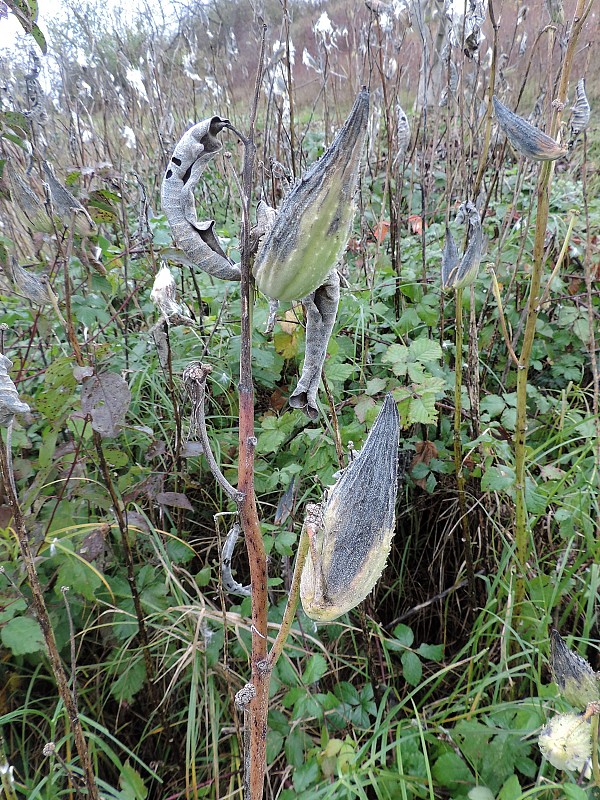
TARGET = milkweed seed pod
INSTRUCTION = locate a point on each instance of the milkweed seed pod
(576, 680)
(465, 28)
(28, 205)
(197, 239)
(524, 138)
(10, 404)
(34, 288)
(580, 112)
(320, 308)
(350, 538)
(64, 204)
(459, 272)
(164, 295)
(312, 227)
(402, 134)
(566, 742)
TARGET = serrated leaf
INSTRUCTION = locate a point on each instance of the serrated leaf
(397, 356)
(450, 770)
(131, 784)
(23, 635)
(127, 685)
(422, 410)
(425, 350)
(432, 652)
(337, 372)
(315, 669)
(492, 404)
(286, 344)
(497, 479)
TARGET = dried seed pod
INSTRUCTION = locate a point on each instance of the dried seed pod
(64, 204)
(402, 134)
(31, 208)
(34, 288)
(460, 272)
(566, 742)
(524, 138)
(577, 681)
(312, 227)
(351, 541)
(164, 295)
(10, 404)
(197, 239)
(556, 12)
(320, 308)
(580, 112)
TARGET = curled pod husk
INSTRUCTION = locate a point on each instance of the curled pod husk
(197, 239)
(320, 308)
(525, 138)
(459, 272)
(312, 227)
(10, 404)
(402, 133)
(350, 544)
(34, 288)
(576, 680)
(580, 112)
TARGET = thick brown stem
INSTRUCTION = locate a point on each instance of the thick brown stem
(41, 613)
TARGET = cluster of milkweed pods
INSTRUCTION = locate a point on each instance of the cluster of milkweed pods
(299, 245)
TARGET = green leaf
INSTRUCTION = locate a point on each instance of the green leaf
(412, 668)
(274, 745)
(306, 776)
(315, 669)
(78, 576)
(481, 793)
(127, 685)
(10, 607)
(493, 405)
(511, 789)
(451, 771)
(338, 373)
(23, 635)
(131, 784)
(425, 350)
(497, 479)
(422, 410)
(296, 746)
(431, 652)
(404, 635)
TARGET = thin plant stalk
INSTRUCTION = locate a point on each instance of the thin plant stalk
(522, 541)
(460, 478)
(595, 764)
(41, 612)
(255, 711)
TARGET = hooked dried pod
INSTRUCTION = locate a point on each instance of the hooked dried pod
(525, 138)
(459, 272)
(10, 404)
(351, 535)
(197, 239)
(312, 227)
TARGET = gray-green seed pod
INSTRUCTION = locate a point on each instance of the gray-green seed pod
(351, 541)
(197, 239)
(459, 272)
(313, 224)
(525, 138)
(577, 681)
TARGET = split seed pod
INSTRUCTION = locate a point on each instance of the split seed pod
(459, 272)
(312, 227)
(351, 541)
(566, 742)
(580, 112)
(197, 239)
(577, 681)
(525, 138)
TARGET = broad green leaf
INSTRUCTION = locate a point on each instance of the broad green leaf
(432, 652)
(511, 789)
(306, 776)
(481, 793)
(315, 669)
(451, 771)
(423, 410)
(404, 635)
(132, 784)
(412, 668)
(23, 635)
(129, 683)
(425, 350)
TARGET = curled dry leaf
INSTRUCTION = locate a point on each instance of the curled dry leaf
(174, 499)
(106, 399)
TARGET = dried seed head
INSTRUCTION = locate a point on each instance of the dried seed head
(525, 138)
(556, 11)
(66, 206)
(403, 133)
(350, 543)
(566, 742)
(34, 288)
(577, 681)
(10, 403)
(313, 224)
